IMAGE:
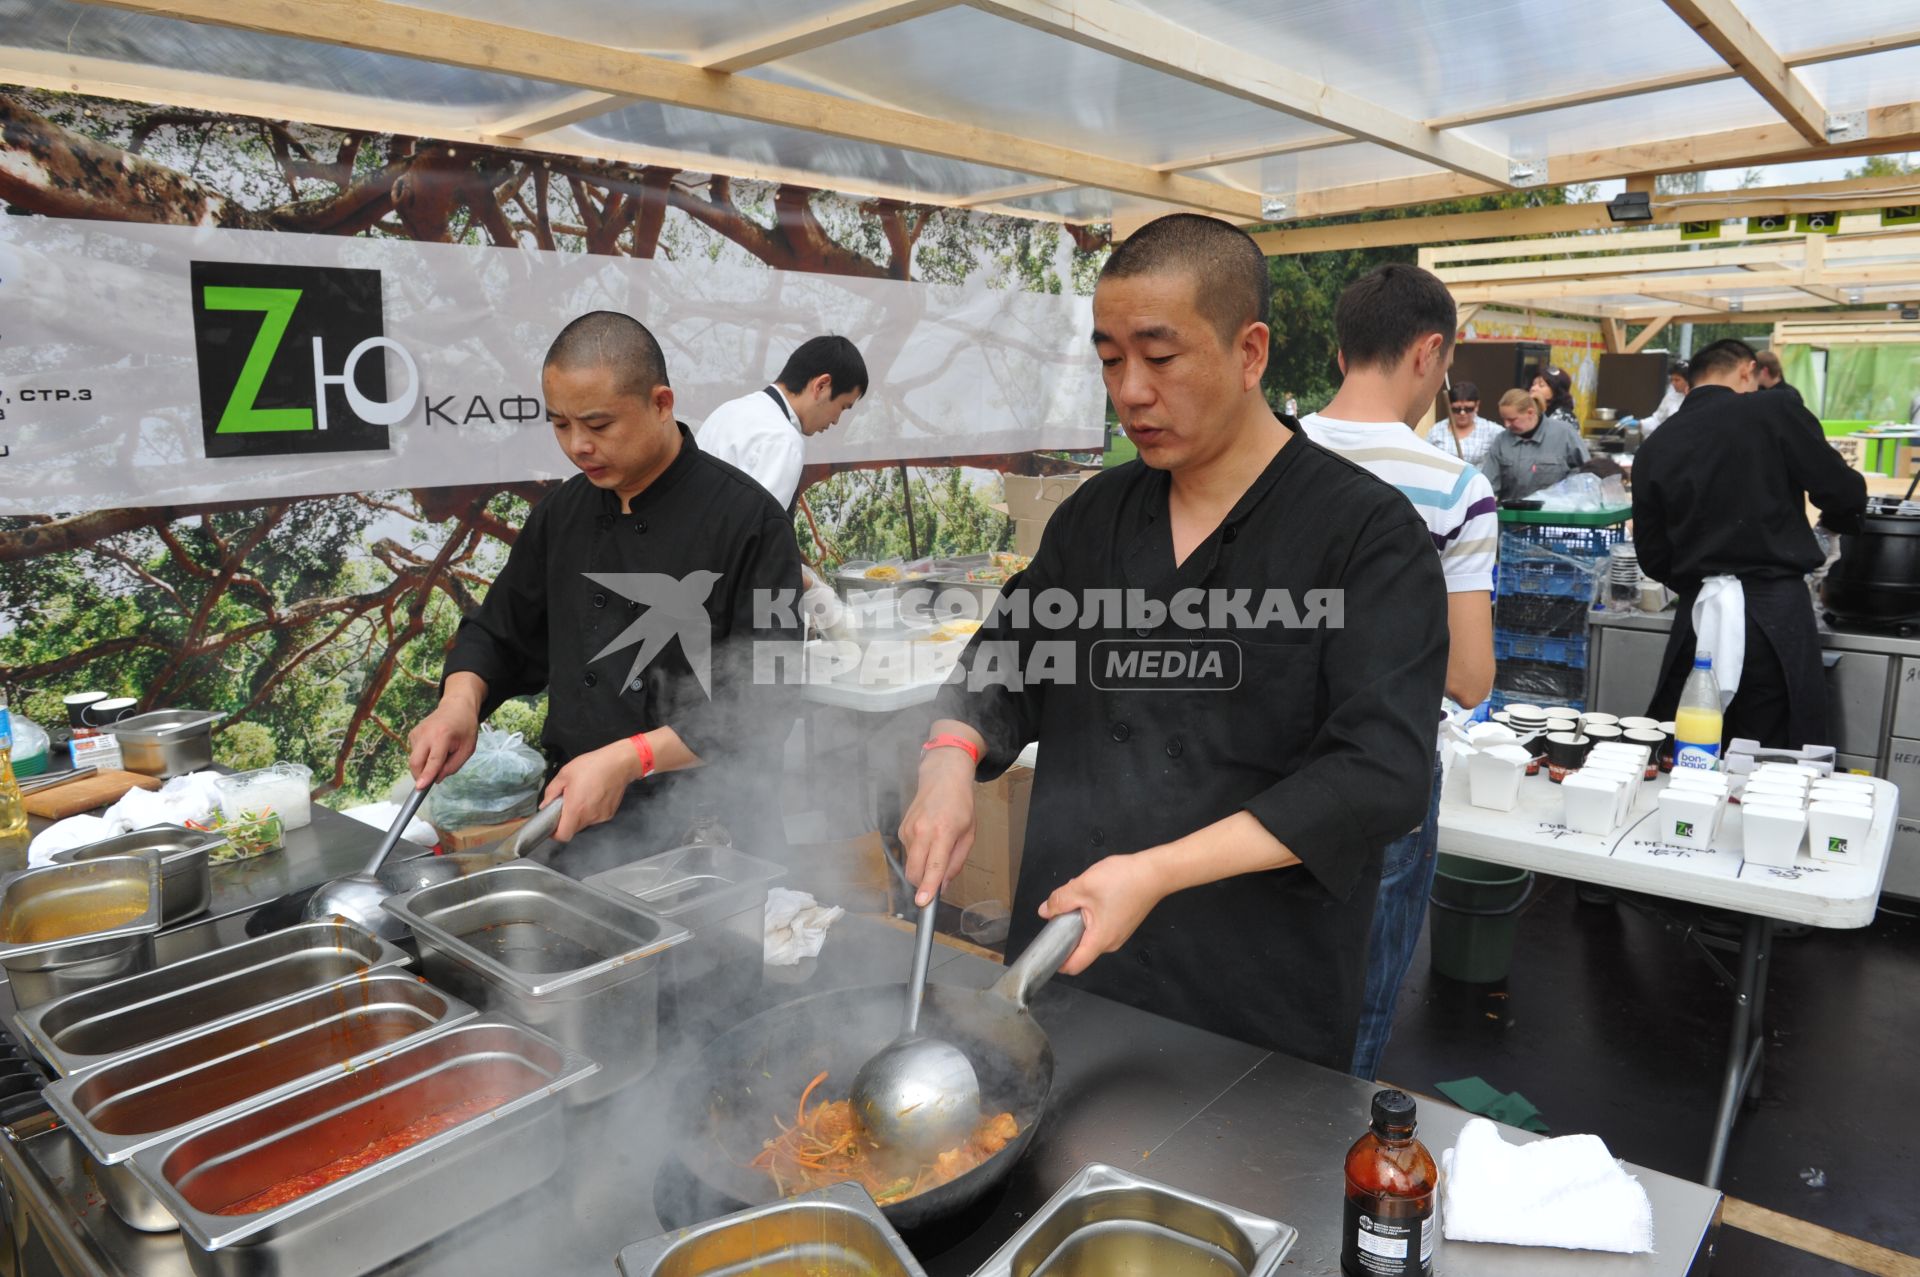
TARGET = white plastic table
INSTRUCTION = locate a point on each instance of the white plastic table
(1815, 892)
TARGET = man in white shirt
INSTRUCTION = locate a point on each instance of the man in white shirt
(1669, 402)
(765, 433)
(1395, 326)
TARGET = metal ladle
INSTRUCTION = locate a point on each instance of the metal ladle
(357, 897)
(918, 1095)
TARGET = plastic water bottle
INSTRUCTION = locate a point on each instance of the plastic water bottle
(1697, 723)
(13, 812)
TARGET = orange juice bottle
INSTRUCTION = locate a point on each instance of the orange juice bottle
(1697, 723)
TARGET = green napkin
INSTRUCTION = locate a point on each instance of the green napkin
(1476, 1095)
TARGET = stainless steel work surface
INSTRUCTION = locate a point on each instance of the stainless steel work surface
(1229, 1121)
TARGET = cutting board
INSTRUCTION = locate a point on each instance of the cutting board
(97, 790)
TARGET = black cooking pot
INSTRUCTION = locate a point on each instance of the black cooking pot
(1875, 584)
(752, 1075)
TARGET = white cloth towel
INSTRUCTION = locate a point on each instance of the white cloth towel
(184, 798)
(382, 815)
(796, 926)
(1720, 630)
(1567, 1192)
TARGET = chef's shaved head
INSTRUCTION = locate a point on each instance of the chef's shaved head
(608, 339)
(1228, 269)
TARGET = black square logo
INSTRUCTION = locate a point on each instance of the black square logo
(292, 359)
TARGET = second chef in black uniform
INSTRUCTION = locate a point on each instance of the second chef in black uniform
(1222, 828)
(623, 581)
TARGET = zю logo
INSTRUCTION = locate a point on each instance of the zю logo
(292, 360)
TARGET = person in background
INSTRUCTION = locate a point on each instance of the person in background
(764, 433)
(1670, 402)
(1465, 433)
(1719, 498)
(1531, 453)
(1224, 848)
(1768, 375)
(1552, 389)
(1395, 327)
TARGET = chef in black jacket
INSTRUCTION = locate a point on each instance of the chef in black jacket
(623, 580)
(1222, 828)
(1721, 490)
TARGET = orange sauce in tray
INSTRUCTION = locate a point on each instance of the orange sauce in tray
(417, 1131)
(41, 926)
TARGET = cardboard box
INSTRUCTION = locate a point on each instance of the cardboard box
(1906, 460)
(851, 873)
(475, 837)
(999, 838)
(1026, 536)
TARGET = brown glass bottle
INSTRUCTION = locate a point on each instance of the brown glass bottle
(1391, 1179)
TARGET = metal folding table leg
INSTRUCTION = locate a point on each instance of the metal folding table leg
(1747, 1043)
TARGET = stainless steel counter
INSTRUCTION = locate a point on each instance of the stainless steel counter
(1253, 1129)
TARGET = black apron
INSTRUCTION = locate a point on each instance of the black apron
(1782, 701)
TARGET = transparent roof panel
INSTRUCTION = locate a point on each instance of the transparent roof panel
(1333, 166)
(681, 29)
(961, 64)
(1674, 113)
(1081, 204)
(1428, 59)
(750, 142)
(90, 31)
(1793, 26)
(1855, 84)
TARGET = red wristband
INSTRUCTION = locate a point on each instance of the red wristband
(958, 742)
(645, 750)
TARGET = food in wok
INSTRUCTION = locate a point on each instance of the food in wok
(824, 1146)
(882, 572)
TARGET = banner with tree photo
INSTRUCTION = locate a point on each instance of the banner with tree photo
(179, 525)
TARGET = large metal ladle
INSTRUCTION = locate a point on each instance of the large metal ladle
(357, 897)
(918, 1095)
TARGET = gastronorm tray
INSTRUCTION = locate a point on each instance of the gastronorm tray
(835, 1230)
(374, 1215)
(144, 1097)
(1106, 1220)
(186, 882)
(84, 1030)
(578, 963)
(52, 941)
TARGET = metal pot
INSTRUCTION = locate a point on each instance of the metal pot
(186, 877)
(755, 1072)
(52, 942)
(167, 742)
(836, 1229)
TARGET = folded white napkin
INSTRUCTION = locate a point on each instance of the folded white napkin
(382, 815)
(1567, 1192)
(65, 835)
(184, 798)
(796, 926)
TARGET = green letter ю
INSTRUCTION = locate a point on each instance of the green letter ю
(240, 416)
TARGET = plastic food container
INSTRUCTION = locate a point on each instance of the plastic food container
(284, 789)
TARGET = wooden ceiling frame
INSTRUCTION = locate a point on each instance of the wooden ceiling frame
(1728, 33)
(1661, 83)
(1147, 40)
(380, 26)
(202, 90)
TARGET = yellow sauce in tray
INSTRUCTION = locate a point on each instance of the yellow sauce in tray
(42, 925)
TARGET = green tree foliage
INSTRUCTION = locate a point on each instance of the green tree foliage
(862, 515)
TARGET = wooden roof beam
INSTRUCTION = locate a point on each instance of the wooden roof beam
(1646, 335)
(1728, 33)
(815, 32)
(1148, 40)
(381, 26)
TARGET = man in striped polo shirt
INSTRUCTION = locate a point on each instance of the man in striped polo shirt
(1395, 327)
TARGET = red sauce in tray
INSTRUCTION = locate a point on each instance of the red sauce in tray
(414, 1132)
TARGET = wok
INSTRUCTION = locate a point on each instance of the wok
(758, 1069)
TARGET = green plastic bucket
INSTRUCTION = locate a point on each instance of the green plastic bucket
(1476, 911)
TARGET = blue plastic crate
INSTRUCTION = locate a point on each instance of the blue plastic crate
(1544, 577)
(1553, 649)
(1500, 700)
(1595, 543)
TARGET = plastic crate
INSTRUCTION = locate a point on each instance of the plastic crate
(1540, 614)
(1500, 700)
(1547, 579)
(1593, 543)
(1568, 518)
(1538, 682)
(1551, 649)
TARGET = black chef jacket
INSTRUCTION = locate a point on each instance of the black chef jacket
(544, 621)
(1721, 489)
(1327, 737)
